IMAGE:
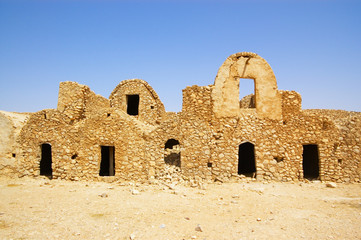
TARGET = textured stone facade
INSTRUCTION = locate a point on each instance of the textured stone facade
(216, 136)
(10, 126)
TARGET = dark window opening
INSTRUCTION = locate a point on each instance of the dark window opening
(151, 107)
(339, 161)
(310, 161)
(133, 104)
(107, 164)
(108, 114)
(14, 155)
(170, 143)
(46, 161)
(172, 154)
(44, 116)
(74, 156)
(209, 164)
(246, 160)
(247, 93)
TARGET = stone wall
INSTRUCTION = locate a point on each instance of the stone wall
(277, 141)
(197, 102)
(76, 148)
(248, 101)
(226, 86)
(151, 109)
(10, 126)
(348, 145)
(77, 101)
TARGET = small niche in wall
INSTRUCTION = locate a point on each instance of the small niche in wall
(278, 159)
(326, 125)
(209, 164)
(335, 146)
(14, 155)
(74, 156)
(151, 107)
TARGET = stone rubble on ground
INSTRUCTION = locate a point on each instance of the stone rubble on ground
(198, 228)
(331, 185)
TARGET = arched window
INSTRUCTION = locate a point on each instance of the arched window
(172, 153)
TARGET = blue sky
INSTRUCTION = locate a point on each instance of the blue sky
(314, 47)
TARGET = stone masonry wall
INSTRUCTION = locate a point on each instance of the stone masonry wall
(10, 126)
(278, 144)
(348, 145)
(76, 100)
(209, 139)
(197, 102)
(208, 145)
(76, 148)
(151, 109)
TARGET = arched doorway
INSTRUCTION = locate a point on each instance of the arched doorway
(246, 160)
(46, 161)
(172, 153)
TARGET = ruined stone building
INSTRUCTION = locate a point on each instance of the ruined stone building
(216, 135)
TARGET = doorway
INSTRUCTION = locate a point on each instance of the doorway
(310, 161)
(107, 164)
(46, 161)
(246, 160)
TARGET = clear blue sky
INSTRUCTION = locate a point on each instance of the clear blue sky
(314, 47)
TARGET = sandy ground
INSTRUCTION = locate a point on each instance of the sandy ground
(55, 209)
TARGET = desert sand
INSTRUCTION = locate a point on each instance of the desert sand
(56, 209)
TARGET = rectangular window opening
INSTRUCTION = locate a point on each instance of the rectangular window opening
(107, 164)
(133, 104)
(247, 93)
